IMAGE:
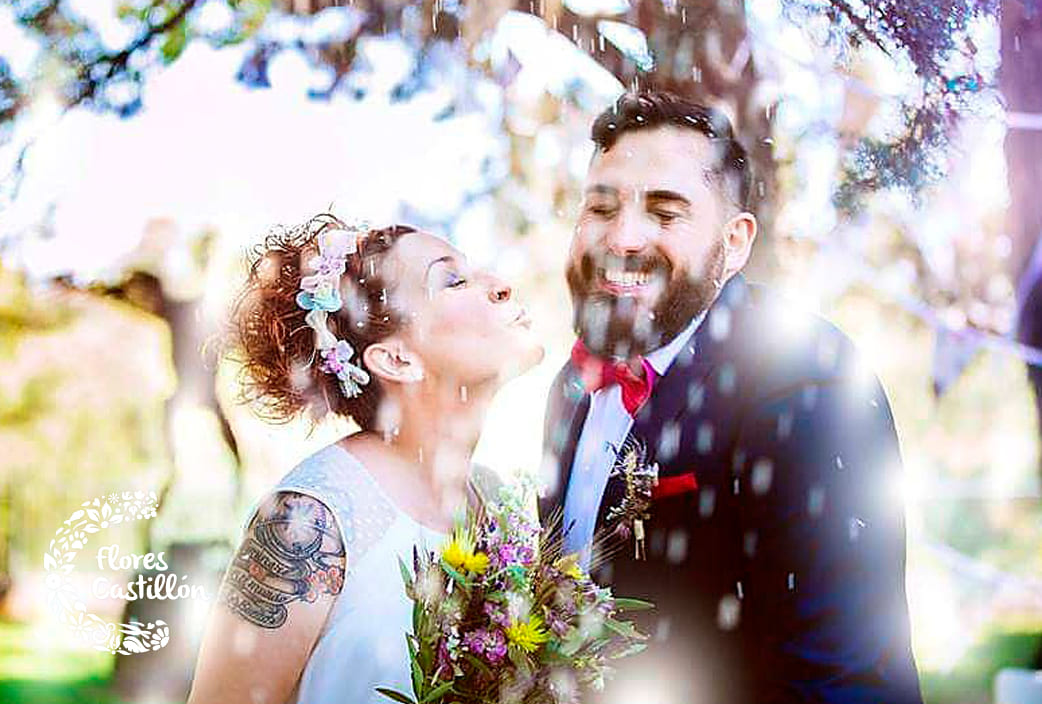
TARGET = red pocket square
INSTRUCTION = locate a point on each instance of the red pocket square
(676, 484)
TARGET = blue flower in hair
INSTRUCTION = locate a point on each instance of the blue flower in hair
(325, 298)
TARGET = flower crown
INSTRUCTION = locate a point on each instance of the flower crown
(320, 294)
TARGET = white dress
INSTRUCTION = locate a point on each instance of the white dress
(362, 645)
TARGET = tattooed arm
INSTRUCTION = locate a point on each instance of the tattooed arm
(274, 600)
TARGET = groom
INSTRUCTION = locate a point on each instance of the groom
(714, 450)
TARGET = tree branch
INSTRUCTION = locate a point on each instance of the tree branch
(119, 60)
(861, 24)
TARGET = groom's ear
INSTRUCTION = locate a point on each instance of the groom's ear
(391, 360)
(739, 235)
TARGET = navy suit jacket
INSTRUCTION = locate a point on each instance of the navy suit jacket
(778, 575)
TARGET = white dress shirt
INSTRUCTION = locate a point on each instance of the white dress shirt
(605, 429)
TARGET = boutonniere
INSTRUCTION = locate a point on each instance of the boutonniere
(641, 478)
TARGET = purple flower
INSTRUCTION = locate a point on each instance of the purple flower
(444, 667)
(474, 641)
(557, 624)
(507, 554)
(496, 614)
(489, 643)
(495, 646)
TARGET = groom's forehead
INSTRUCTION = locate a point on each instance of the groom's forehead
(665, 159)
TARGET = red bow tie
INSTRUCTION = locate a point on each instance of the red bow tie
(597, 372)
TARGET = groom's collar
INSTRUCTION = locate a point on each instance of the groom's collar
(731, 294)
(660, 359)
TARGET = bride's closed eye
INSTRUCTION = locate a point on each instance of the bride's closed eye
(455, 280)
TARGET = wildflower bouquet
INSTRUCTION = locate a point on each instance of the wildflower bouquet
(500, 615)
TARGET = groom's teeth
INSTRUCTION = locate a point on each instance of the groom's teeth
(619, 277)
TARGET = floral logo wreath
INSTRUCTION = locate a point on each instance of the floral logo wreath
(94, 515)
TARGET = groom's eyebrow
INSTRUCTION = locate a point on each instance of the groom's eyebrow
(654, 194)
(601, 189)
(665, 194)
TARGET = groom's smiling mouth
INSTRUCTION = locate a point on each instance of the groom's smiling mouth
(624, 280)
(619, 280)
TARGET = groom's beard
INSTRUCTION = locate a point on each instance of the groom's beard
(612, 326)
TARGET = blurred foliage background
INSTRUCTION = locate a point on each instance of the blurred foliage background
(146, 145)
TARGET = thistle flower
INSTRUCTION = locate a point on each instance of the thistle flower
(459, 554)
(528, 635)
(476, 562)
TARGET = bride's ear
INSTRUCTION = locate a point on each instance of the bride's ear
(392, 361)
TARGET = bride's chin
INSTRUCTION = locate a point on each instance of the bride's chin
(525, 359)
(532, 354)
(540, 353)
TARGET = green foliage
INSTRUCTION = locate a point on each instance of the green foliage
(24, 313)
(973, 678)
(174, 42)
(35, 399)
(910, 160)
(933, 37)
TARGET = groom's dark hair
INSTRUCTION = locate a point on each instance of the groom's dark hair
(649, 109)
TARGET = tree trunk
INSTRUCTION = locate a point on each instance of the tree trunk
(1020, 79)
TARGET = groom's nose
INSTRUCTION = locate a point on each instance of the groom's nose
(628, 234)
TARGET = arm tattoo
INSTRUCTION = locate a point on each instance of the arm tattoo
(292, 551)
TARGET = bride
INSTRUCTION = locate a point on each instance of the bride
(394, 330)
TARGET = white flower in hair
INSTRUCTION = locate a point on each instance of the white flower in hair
(320, 295)
(338, 243)
(337, 360)
(324, 339)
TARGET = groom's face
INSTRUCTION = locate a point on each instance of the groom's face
(647, 254)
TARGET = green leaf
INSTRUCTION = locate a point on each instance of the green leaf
(440, 691)
(417, 677)
(406, 575)
(624, 629)
(174, 43)
(479, 665)
(426, 655)
(126, 10)
(571, 644)
(623, 604)
(411, 644)
(631, 650)
(396, 696)
(452, 572)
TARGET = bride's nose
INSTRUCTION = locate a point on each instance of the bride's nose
(498, 291)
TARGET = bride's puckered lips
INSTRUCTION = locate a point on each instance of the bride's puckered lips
(522, 318)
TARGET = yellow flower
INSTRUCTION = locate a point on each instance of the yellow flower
(576, 573)
(459, 554)
(476, 562)
(569, 566)
(454, 554)
(527, 635)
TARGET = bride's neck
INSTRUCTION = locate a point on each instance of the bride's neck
(437, 428)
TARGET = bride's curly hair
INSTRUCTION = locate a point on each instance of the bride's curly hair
(280, 376)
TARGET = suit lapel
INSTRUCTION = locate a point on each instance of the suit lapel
(672, 393)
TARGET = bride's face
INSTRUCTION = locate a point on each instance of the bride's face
(465, 325)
